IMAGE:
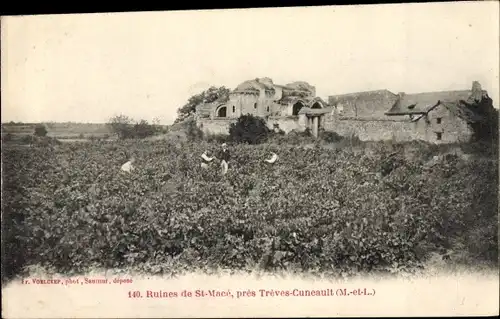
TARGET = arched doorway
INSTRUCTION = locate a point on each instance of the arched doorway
(222, 111)
(316, 105)
(296, 108)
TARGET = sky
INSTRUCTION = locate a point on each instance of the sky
(90, 67)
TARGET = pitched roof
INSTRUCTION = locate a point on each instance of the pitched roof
(255, 85)
(267, 84)
(356, 95)
(300, 86)
(422, 102)
(463, 111)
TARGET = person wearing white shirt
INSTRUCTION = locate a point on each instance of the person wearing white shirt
(205, 160)
(273, 159)
(128, 167)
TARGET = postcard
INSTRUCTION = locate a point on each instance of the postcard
(329, 161)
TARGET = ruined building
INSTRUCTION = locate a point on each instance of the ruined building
(449, 116)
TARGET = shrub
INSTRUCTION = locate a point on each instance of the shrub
(217, 138)
(7, 137)
(40, 130)
(193, 132)
(249, 129)
(27, 139)
(121, 125)
(143, 129)
(124, 127)
(330, 137)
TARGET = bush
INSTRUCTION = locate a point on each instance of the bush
(143, 129)
(7, 137)
(330, 137)
(40, 130)
(27, 139)
(124, 127)
(193, 132)
(217, 138)
(249, 129)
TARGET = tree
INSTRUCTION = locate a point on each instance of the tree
(193, 132)
(125, 127)
(122, 126)
(143, 129)
(208, 96)
(40, 130)
(249, 129)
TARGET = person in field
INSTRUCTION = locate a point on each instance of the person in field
(128, 167)
(224, 157)
(205, 160)
(273, 159)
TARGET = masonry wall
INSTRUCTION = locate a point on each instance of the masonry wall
(452, 129)
(366, 105)
(221, 125)
(287, 123)
(259, 105)
(369, 130)
(215, 126)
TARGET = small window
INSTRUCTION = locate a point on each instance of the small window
(234, 109)
(255, 106)
(268, 108)
(439, 136)
(438, 120)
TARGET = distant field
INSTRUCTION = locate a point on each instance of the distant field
(60, 130)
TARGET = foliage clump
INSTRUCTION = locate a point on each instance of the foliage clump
(249, 129)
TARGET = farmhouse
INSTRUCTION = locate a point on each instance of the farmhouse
(440, 117)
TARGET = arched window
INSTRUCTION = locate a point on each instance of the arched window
(234, 109)
(255, 106)
(222, 111)
(268, 108)
(296, 108)
(316, 105)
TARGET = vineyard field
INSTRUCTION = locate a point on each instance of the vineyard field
(338, 211)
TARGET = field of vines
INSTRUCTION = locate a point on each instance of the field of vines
(331, 211)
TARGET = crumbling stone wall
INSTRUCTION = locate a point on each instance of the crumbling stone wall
(364, 105)
(221, 126)
(215, 126)
(258, 105)
(369, 130)
(452, 129)
(286, 123)
(440, 121)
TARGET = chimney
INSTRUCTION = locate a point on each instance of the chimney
(477, 92)
(476, 86)
(401, 96)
